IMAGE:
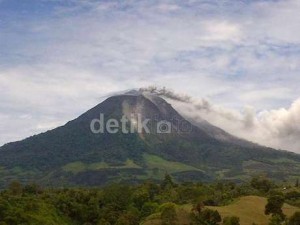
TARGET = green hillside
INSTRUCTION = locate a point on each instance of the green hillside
(250, 209)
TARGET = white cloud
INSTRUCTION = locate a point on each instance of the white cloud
(222, 31)
(277, 128)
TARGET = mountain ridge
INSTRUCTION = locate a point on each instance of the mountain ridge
(45, 156)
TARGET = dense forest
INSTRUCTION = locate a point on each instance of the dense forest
(147, 203)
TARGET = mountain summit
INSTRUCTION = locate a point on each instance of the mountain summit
(136, 136)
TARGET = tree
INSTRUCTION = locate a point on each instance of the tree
(293, 195)
(15, 187)
(131, 217)
(295, 219)
(153, 189)
(168, 214)
(232, 220)
(261, 184)
(140, 196)
(148, 209)
(276, 220)
(212, 216)
(207, 217)
(274, 206)
(33, 189)
(167, 182)
(198, 207)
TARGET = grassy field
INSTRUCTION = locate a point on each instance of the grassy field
(77, 167)
(249, 209)
(152, 162)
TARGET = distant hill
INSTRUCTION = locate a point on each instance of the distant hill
(74, 155)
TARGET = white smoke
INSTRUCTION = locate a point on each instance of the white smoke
(167, 93)
(277, 128)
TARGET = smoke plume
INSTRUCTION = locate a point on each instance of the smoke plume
(277, 128)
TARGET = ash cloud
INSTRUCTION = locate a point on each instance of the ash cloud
(277, 128)
(167, 93)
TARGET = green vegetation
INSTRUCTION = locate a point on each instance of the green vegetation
(155, 165)
(77, 167)
(165, 203)
(233, 220)
(274, 206)
(153, 162)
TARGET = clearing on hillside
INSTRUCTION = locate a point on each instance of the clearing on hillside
(249, 209)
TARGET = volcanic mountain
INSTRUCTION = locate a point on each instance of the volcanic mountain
(73, 155)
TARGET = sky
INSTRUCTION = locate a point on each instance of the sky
(239, 60)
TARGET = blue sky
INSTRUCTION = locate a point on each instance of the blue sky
(59, 57)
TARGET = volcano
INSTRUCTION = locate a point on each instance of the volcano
(76, 155)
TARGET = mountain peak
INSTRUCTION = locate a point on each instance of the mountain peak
(133, 92)
(74, 155)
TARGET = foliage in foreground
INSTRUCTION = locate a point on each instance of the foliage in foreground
(120, 204)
